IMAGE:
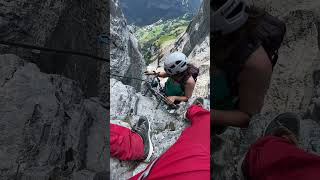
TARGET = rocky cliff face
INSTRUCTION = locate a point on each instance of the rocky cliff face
(145, 12)
(53, 115)
(294, 87)
(197, 31)
(195, 43)
(127, 104)
(126, 59)
(48, 129)
(59, 24)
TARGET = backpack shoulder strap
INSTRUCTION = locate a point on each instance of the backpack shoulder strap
(271, 32)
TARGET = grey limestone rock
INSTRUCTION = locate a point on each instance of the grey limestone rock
(48, 129)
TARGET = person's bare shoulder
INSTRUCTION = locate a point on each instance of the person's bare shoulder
(191, 81)
(259, 61)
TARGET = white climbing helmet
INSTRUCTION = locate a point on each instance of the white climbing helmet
(175, 63)
(228, 15)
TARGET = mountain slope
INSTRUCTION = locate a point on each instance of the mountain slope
(145, 12)
(156, 36)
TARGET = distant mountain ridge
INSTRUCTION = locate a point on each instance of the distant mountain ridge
(145, 12)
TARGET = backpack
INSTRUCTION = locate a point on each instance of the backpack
(269, 33)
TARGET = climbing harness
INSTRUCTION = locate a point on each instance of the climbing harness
(154, 87)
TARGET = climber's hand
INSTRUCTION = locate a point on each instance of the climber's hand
(171, 99)
(149, 72)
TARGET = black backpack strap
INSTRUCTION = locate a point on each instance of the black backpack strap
(271, 32)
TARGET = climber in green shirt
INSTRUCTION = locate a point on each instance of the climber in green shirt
(181, 77)
(245, 48)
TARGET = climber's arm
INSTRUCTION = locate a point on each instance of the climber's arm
(177, 98)
(254, 81)
(188, 89)
(158, 73)
(253, 84)
(162, 74)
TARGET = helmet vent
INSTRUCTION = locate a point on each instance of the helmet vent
(173, 66)
(183, 64)
(236, 11)
(217, 4)
(178, 62)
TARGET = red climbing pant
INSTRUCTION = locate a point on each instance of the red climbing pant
(273, 158)
(189, 157)
(125, 144)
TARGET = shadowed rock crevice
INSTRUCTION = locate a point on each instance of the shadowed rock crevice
(125, 56)
(136, 64)
(8, 69)
(318, 28)
(49, 129)
(67, 25)
(75, 30)
(7, 79)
